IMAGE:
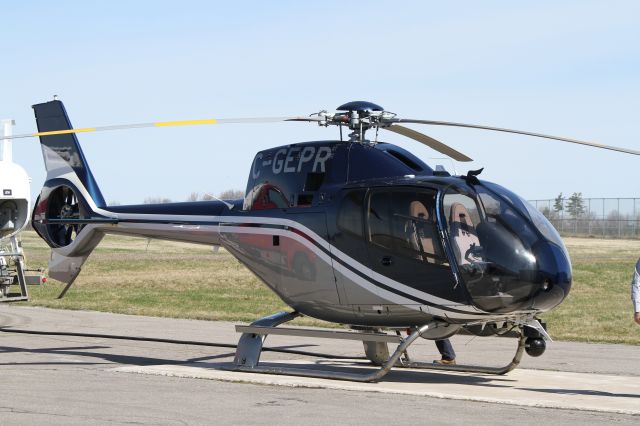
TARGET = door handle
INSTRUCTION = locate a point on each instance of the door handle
(386, 261)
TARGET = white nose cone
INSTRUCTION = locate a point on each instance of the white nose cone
(15, 205)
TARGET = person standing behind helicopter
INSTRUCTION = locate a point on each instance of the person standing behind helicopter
(446, 352)
(423, 231)
(635, 293)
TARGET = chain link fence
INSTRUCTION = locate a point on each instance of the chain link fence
(593, 217)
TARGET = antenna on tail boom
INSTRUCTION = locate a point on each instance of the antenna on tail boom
(6, 152)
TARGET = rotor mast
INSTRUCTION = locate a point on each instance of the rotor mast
(358, 116)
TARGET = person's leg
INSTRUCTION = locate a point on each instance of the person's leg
(446, 349)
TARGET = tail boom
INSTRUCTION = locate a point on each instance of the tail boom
(71, 214)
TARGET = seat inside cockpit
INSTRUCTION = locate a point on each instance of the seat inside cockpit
(405, 222)
(422, 237)
(463, 232)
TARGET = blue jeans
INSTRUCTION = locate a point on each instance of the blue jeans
(446, 349)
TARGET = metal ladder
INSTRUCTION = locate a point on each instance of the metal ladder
(10, 277)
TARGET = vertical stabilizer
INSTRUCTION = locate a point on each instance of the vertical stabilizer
(62, 153)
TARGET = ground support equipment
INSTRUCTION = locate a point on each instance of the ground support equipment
(12, 273)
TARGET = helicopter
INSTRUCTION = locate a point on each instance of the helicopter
(353, 231)
(15, 207)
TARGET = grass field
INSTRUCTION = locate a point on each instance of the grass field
(598, 308)
(160, 278)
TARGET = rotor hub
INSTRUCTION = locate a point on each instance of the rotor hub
(360, 106)
(358, 116)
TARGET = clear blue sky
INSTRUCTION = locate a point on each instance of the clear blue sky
(570, 68)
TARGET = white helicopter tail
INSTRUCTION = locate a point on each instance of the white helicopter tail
(15, 187)
(15, 196)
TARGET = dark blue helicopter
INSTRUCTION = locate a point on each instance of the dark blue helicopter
(356, 232)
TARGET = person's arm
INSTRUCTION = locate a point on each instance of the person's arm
(635, 293)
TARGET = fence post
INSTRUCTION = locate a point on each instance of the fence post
(589, 214)
(619, 220)
(562, 216)
(604, 222)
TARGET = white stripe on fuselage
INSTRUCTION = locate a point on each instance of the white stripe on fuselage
(356, 278)
(319, 240)
(359, 280)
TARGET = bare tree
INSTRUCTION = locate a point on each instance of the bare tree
(231, 194)
(547, 213)
(193, 196)
(156, 200)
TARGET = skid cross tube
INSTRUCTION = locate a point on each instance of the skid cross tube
(323, 334)
(474, 368)
(250, 345)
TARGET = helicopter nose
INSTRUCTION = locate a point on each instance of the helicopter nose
(554, 269)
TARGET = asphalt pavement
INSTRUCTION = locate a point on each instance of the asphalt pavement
(50, 376)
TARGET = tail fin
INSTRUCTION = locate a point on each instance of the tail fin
(64, 196)
(62, 153)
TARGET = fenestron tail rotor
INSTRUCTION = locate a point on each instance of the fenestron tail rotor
(63, 208)
(358, 116)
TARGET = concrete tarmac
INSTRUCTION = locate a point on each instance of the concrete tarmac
(63, 379)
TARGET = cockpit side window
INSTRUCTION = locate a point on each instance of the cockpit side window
(463, 216)
(380, 219)
(350, 213)
(404, 222)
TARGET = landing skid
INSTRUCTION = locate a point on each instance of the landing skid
(250, 347)
(474, 368)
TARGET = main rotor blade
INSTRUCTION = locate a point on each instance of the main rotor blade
(429, 141)
(519, 132)
(166, 124)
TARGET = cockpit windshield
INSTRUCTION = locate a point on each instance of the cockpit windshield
(525, 208)
(499, 252)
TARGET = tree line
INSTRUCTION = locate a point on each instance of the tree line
(229, 194)
(574, 205)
